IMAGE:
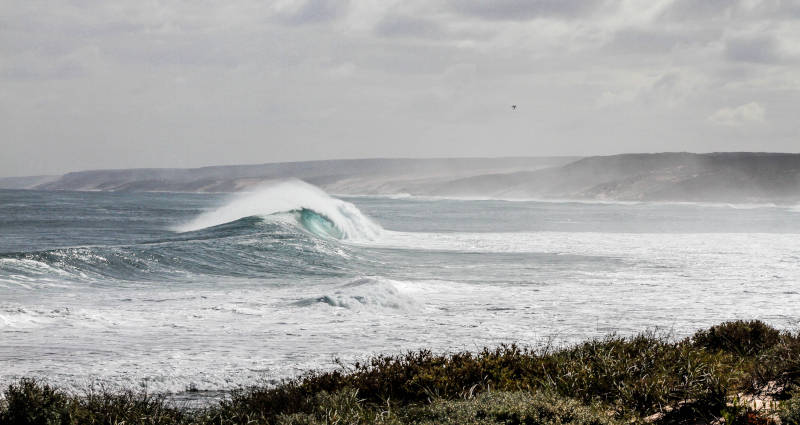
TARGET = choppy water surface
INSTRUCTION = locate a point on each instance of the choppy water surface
(213, 292)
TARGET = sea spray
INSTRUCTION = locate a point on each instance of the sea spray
(309, 205)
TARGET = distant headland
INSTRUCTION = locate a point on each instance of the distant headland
(749, 177)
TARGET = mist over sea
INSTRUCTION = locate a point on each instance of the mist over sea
(213, 292)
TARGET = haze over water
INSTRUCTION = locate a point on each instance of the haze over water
(178, 291)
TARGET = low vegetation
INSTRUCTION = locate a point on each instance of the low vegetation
(743, 372)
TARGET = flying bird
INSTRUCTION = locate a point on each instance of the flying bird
(513, 107)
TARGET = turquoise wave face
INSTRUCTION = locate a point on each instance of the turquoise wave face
(318, 224)
(309, 244)
(248, 247)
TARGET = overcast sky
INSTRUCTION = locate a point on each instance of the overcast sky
(144, 83)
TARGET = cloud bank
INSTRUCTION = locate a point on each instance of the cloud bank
(147, 84)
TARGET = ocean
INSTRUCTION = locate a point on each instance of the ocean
(203, 293)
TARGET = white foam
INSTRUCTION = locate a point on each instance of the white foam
(440, 290)
(17, 316)
(640, 245)
(369, 292)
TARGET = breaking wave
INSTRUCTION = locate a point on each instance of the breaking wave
(310, 207)
(288, 228)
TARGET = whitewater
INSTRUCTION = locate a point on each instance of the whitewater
(202, 293)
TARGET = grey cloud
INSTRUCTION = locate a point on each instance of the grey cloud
(762, 49)
(194, 50)
(317, 11)
(522, 10)
(407, 60)
(769, 9)
(748, 113)
(659, 41)
(134, 83)
(50, 72)
(675, 88)
(407, 26)
(698, 10)
(781, 9)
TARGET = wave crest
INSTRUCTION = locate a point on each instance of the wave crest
(309, 206)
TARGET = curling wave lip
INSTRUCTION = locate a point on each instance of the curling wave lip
(315, 209)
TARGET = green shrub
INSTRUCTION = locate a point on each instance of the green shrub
(780, 365)
(32, 403)
(628, 378)
(342, 407)
(103, 407)
(510, 408)
(494, 407)
(744, 338)
(789, 411)
(409, 378)
(35, 403)
(646, 374)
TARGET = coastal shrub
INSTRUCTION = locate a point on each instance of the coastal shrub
(30, 402)
(510, 408)
(789, 411)
(779, 367)
(104, 407)
(744, 338)
(493, 407)
(407, 378)
(342, 407)
(631, 378)
(645, 374)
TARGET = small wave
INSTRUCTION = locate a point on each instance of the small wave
(365, 292)
(309, 206)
